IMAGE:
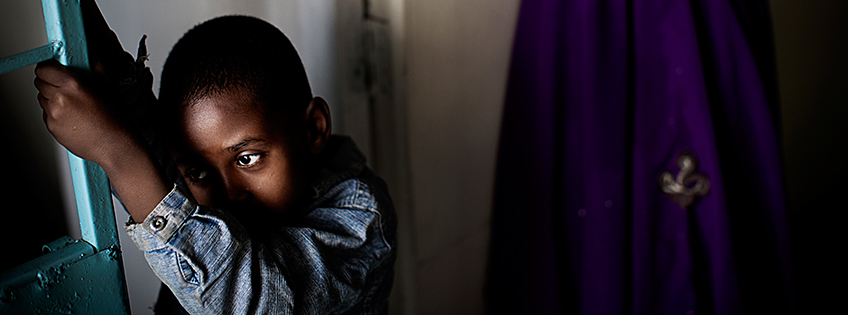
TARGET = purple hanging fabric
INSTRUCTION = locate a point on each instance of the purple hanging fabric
(594, 212)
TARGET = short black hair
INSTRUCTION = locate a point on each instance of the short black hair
(235, 52)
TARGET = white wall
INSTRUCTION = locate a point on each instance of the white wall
(456, 61)
(811, 44)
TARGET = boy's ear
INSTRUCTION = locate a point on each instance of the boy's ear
(318, 124)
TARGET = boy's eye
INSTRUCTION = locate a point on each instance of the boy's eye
(197, 175)
(247, 160)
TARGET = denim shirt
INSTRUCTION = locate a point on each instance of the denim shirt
(337, 259)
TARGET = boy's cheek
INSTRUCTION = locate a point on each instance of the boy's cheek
(201, 195)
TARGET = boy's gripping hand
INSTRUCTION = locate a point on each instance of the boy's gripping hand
(81, 111)
(86, 115)
(79, 115)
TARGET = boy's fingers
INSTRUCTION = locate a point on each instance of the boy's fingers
(49, 71)
(53, 73)
(45, 89)
(45, 109)
(41, 101)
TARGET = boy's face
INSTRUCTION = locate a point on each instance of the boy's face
(234, 157)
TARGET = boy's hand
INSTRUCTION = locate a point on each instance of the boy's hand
(80, 111)
(86, 115)
(79, 118)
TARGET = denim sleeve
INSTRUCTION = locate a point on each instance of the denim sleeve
(213, 266)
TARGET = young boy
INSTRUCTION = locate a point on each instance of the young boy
(276, 215)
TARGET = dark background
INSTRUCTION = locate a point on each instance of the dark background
(811, 40)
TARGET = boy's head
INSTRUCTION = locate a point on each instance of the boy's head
(235, 96)
(235, 52)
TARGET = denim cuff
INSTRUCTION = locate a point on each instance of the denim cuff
(163, 222)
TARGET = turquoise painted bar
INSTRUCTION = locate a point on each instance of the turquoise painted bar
(63, 21)
(94, 203)
(29, 57)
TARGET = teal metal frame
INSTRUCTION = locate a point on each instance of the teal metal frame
(83, 276)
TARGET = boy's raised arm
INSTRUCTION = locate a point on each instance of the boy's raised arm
(84, 114)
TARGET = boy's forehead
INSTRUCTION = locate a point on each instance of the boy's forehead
(221, 107)
(219, 121)
(238, 99)
(216, 120)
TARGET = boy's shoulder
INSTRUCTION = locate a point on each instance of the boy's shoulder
(348, 193)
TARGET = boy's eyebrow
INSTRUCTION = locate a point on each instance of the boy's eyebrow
(186, 160)
(243, 143)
